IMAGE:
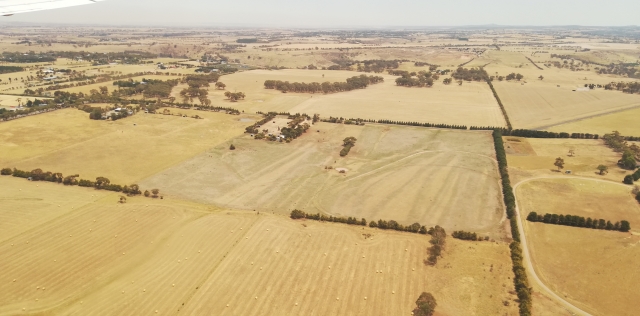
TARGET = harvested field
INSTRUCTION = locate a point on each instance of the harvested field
(534, 104)
(539, 154)
(408, 174)
(125, 151)
(626, 122)
(604, 258)
(473, 103)
(162, 256)
(588, 267)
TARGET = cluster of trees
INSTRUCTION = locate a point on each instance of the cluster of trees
(347, 144)
(356, 82)
(422, 79)
(629, 179)
(10, 69)
(579, 221)
(520, 279)
(626, 87)
(460, 234)
(471, 74)
(30, 57)
(425, 305)
(623, 69)
(295, 128)
(101, 183)
(630, 153)
(513, 76)
(378, 65)
(502, 109)
(148, 87)
(234, 96)
(438, 236)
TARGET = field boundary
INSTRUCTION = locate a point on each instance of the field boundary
(504, 111)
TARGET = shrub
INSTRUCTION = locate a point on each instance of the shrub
(232, 147)
(628, 179)
(296, 214)
(465, 235)
(425, 305)
(6, 172)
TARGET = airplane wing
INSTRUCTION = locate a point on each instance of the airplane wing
(11, 7)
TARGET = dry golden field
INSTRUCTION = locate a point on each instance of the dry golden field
(473, 103)
(552, 101)
(153, 256)
(125, 151)
(408, 174)
(539, 156)
(623, 121)
(588, 267)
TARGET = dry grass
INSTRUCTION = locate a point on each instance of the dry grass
(162, 255)
(539, 155)
(624, 121)
(67, 141)
(407, 174)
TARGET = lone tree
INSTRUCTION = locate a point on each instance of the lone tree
(541, 77)
(155, 192)
(559, 163)
(220, 85)
(123, 199)
(349, 141)
(425, 305)
(603, 169)
(572, 152)
(146, 193)
(232, 147)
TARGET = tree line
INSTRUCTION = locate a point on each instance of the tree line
(520, 279)
(579, 221)
(630, 179)
(356, 82)
(630, 153)
(460, 234)
(502, 109)
(381, 224)
(148, 87)
(10, 69)
(101, 183)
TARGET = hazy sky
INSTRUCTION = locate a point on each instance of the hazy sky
(343, 13)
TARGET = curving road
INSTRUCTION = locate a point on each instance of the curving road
(525, 248)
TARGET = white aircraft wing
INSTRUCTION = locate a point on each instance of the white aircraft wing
(10, 7)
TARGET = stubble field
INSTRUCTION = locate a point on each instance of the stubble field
(592, 268)
(169, 257)
(124, 151)
(407, 174)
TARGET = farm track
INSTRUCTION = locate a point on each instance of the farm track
(527, 255)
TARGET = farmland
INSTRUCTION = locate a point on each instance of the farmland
(124, 151)
(149, 256)
(560, 251)
(429, 169)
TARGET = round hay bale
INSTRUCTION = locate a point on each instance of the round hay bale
(173, 285)
(337, 298)
(144, 290)
(393, 292)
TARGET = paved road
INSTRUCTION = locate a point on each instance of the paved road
(525, 248)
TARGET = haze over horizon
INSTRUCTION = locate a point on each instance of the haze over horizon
(335, 14)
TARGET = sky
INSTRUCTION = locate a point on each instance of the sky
(342, 13)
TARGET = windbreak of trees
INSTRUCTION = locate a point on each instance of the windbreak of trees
(101, 183)
(9, 115)
(30, 57)
(534, 63)
(254, 129)
(471, 74)
(10, 69)
(247, 40)
(630, 153)
(381, 224)
(520, 279)
(460, 234)
(502, 109)
(357, 82)
(579, 221)
(438, 241)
